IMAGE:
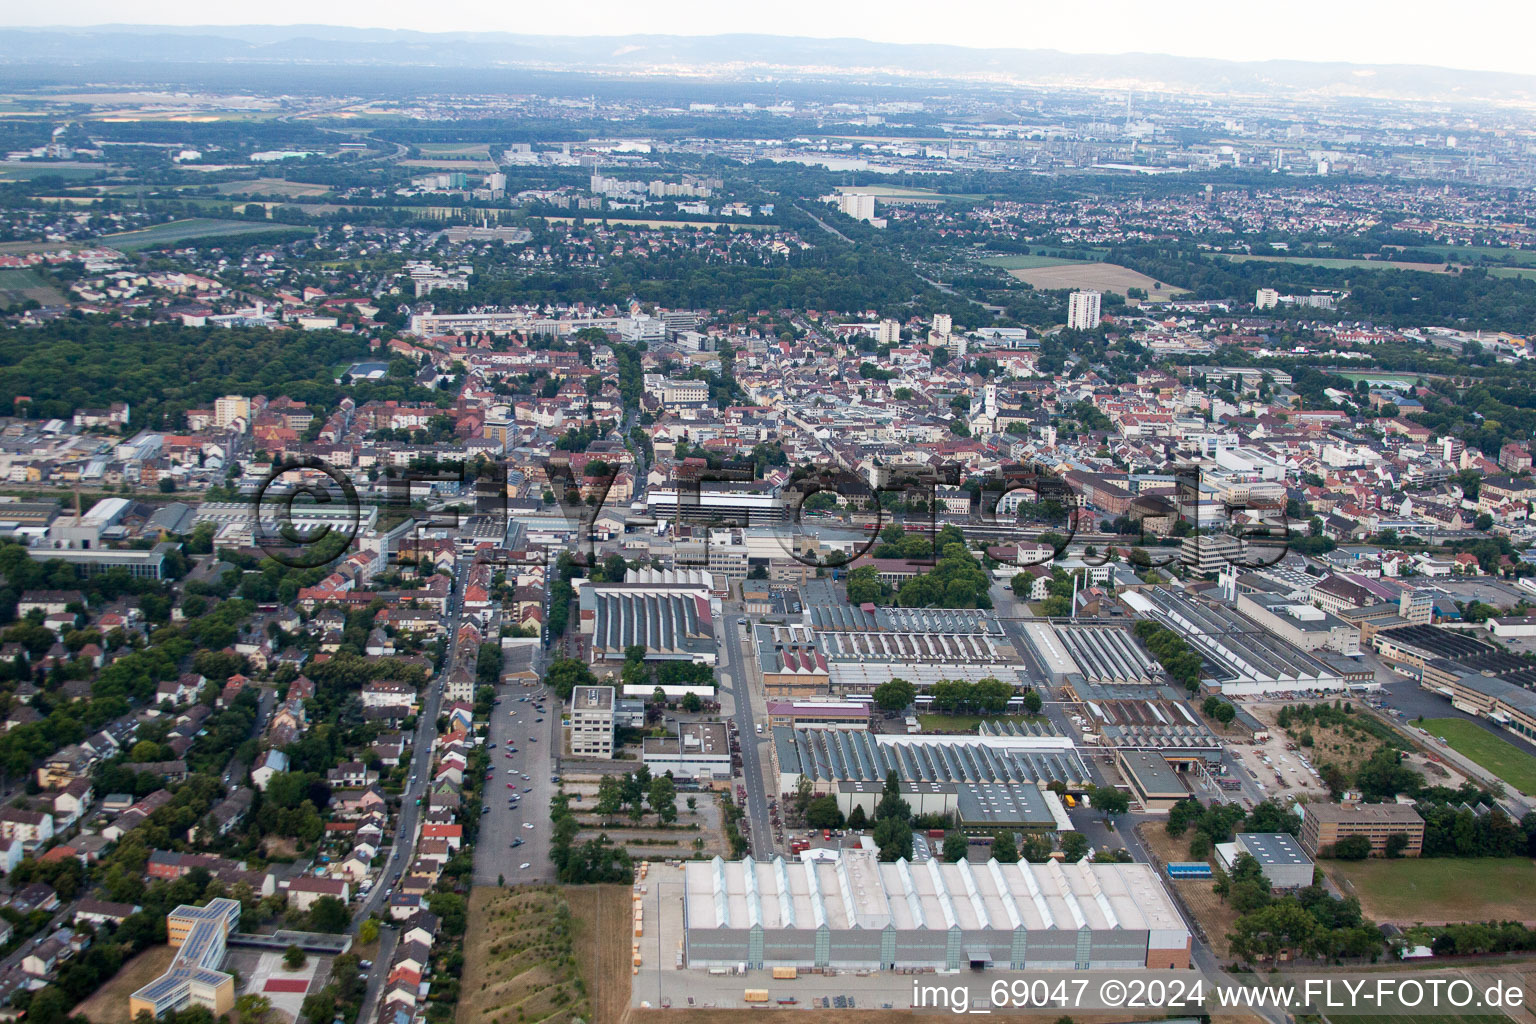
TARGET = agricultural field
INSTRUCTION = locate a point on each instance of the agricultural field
(1104, 277)
(1525, 272)
(109, 1004)
(456, 150)
(902, 192)
(183, 230)
(272, 187)
(522, 964)
(1330, 263)
(1470, 740)
(1436, 890)
(660, 225)
(449, 163)
(18, 286)
(31, 170)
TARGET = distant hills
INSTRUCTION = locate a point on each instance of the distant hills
(747, 57)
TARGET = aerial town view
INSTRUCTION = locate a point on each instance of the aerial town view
(648, 514)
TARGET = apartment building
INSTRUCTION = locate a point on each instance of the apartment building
(1083, 310)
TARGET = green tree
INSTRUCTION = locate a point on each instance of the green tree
(294, 958)
(955, 847)
(1004, 849)
(1110, 802)
(895, 695)
(253, 1008)
(329, 914)
(893, 837)
(1074, 846)
(1352, 848)
(823, 812)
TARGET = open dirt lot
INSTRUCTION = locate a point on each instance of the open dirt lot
(1213, 914)
(109, 1004)
(645, 841)
(1109, 277)
(601, 915)
(272, 187)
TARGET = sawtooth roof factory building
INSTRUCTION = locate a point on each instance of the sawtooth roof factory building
(673, 623)
(1244, 658)
(849, 911)
(959, 775)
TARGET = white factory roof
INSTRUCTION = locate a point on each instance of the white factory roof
(856, 890)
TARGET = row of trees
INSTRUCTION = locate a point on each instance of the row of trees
(634, 792)
(1176, 656)
(594, 861)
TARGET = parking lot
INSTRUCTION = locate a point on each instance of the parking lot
(519, 745)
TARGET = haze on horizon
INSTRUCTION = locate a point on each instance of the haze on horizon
(1484, 35)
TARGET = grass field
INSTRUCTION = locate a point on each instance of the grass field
(21, 285)
(1526, 272)
(1331, 263)
(1468, 253)
(1023, 262)
(1508, 762)
(1440, 889)
(522, 964)
(1106, 277)
(196, 227)
(109, 1004)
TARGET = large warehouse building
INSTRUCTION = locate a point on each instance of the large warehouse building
(852, 912)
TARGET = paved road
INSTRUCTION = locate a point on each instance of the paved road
(377, 975)
(409, 821)
(736, 681)
(824, 225)
(411, 812)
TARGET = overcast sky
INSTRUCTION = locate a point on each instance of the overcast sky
(1487, 35)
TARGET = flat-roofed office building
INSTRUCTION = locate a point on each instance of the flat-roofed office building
(198, 935)
(592, 720)
(1323, 825)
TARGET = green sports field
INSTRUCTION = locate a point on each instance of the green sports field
(1508, 762)
(1437, 889)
